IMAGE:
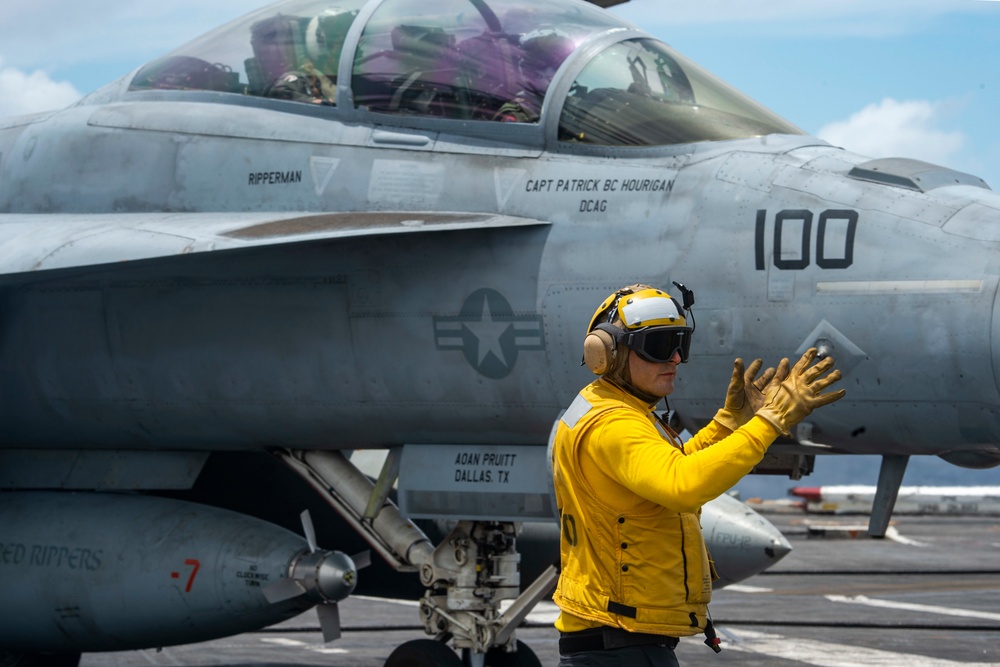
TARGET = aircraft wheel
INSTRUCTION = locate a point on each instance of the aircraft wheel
(12, 659)
(423, 653)
(523, 657)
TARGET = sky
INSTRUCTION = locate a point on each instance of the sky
(889, 78)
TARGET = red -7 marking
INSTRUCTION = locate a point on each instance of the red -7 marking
(195, 564)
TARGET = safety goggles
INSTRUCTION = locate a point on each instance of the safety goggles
(658, 344)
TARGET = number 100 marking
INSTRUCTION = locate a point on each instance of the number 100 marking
(800, 221)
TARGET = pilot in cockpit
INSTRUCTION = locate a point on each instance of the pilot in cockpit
(304, 85)
(542, 51)
(297, 58)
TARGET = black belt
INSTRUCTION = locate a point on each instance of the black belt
(601, 639)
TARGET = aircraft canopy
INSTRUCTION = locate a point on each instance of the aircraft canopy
(467, 60)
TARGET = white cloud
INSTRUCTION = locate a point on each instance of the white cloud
(22, 92)
(797, 17)
(897, 129)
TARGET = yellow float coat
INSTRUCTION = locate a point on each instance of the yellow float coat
(630, 496)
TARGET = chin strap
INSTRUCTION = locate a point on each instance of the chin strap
(627, 387)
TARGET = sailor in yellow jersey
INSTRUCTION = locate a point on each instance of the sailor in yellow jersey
(635, 572)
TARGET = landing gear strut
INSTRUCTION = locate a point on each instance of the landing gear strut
(472, 571)
(468, 575)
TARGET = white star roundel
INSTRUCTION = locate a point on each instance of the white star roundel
(488, 332)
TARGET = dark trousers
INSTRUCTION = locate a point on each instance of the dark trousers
(629, 656)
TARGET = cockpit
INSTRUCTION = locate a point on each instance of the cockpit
(475, 61)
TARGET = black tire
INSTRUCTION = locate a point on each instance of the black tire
(523, 657)
(423, 653)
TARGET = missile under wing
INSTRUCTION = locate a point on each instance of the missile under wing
(344, 225)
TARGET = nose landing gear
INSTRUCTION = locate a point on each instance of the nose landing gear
(467, 576)
(472, 571)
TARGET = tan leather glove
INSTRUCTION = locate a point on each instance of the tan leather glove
(791, 400)
(747, 392)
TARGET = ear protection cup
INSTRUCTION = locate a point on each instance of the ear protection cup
(600, 352)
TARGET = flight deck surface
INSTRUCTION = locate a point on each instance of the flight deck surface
(928, 595)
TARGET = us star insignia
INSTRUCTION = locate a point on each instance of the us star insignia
(488, 332)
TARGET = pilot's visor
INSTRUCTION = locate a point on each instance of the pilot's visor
(659, 344)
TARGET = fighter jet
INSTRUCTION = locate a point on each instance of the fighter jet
(340, 225)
